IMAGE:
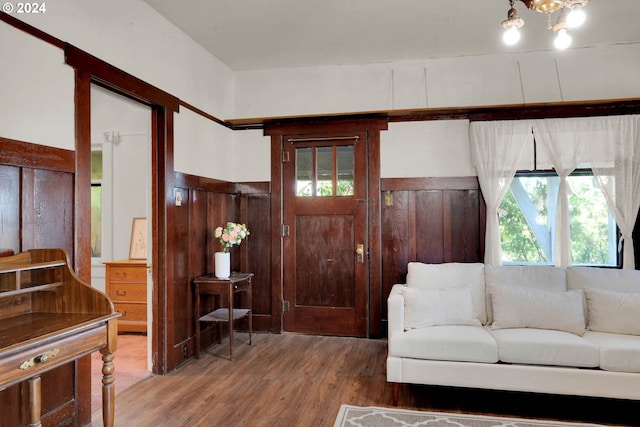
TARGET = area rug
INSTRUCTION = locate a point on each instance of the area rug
(355, 416)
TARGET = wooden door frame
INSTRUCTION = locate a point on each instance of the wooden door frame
(372, 128)
(88, 70)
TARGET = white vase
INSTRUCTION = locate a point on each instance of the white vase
(222, 265)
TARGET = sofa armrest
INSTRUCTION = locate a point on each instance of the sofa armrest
(395, 311)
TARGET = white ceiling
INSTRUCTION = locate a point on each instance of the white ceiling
(258, 34)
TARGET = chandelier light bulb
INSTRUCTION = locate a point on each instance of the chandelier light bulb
(576, 17)
(563, 39)
(511, 36)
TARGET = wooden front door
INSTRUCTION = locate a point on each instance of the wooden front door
(325, 262)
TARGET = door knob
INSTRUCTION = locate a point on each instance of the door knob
(360, 252)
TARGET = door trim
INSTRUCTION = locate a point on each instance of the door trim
(372, 128)
(89, 69)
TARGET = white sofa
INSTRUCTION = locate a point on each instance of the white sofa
(573, 331)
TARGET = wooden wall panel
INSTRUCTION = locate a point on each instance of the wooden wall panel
(47, 210)
(207, 204)
(258, 256)
(396, 236)
(430, 220)
(37, 211)
(9, 208)
(181, 300)
(429, 217)
(464, 231)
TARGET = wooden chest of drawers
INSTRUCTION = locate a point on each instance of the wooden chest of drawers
(126, 286)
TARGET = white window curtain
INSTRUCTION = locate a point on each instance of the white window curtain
(559, 140)
(619, 175)
(611, 147)
(497, 149)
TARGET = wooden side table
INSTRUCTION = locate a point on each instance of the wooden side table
(211, 285)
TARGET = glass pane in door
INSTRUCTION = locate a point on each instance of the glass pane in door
(345, 170)
(304, 173)
(324, 171)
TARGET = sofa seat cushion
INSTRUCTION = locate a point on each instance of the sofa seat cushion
(452, 343)
(545, 347)
(617, 352)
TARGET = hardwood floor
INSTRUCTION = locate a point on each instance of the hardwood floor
(301, 380)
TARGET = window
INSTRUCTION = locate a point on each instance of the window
(527, 220)
(96, 204)
(325, 171)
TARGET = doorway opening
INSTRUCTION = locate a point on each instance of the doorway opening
(121, 140)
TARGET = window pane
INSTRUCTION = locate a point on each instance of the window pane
(304, 177)
(324, 171)
(96, 203)
(591, 239)
(528, 215)
(96, 165)
(345, 171)
(96, 220)
(524, 228)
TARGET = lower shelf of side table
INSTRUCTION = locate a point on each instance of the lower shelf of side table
(222, 315)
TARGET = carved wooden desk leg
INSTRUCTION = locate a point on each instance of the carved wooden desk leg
(35, 402)
(108, 390)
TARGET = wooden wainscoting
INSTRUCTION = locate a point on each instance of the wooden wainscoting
(431, 220)
(37, 210)
(206, 204)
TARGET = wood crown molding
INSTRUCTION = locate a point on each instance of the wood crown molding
(29, 155)
(474, 113)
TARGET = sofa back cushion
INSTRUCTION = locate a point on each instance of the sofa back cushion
(528, 276)
(611, 279)
(451, 275)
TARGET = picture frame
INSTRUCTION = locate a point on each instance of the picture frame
(138, 245)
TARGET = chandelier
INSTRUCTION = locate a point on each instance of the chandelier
(566, 20)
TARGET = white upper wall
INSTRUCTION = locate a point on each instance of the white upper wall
(36, 91)
(435, 148)
(131, 36)
(425, 149)
(605, 72)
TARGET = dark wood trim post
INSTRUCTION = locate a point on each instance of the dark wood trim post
(82, 220)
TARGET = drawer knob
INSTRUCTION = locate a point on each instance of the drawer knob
(40, 358)
(121, 293)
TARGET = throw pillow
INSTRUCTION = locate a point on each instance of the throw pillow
(438, 307)
(615, 312)
(520, 307)
(451, 275)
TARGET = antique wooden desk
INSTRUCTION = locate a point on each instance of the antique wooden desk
(48, 317)
(209, 284)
